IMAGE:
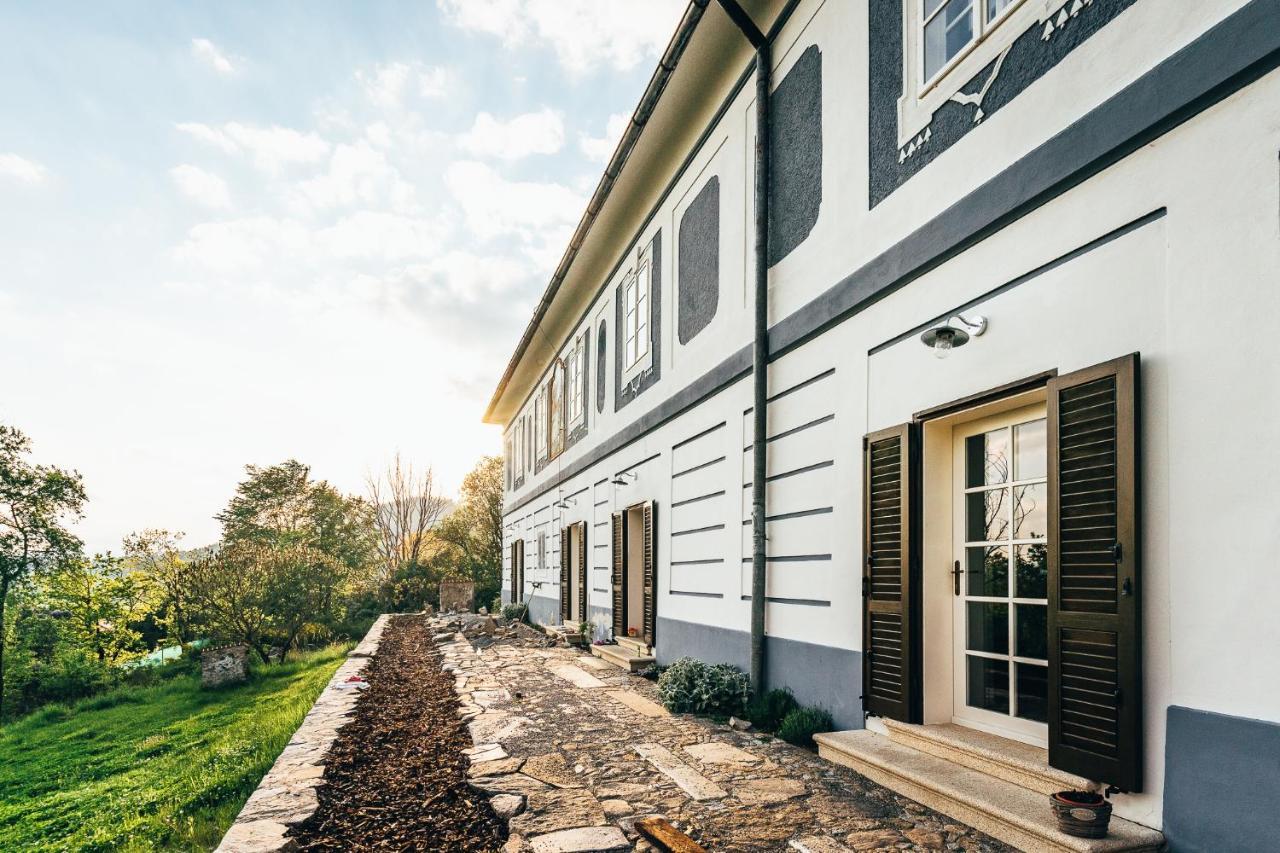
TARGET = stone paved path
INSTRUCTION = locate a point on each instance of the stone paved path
(571, 745)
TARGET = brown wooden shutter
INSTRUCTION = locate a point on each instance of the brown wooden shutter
(619, 589)
(565, 615)
(515, 590)
(650, 574)
(520, 577)
(889, 676)
(583, 572)
(1095, 678)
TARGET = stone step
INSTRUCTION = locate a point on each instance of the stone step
(622, 657)
(1003, 810)
(635, 645)
(1019, 763)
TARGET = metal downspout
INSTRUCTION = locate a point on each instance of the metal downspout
(760, 339)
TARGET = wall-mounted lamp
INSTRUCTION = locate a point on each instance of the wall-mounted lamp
(942, 339)
(622, 479)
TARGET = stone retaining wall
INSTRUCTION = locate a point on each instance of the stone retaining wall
(287, 794)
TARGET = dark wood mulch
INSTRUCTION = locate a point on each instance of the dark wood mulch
(396, 776)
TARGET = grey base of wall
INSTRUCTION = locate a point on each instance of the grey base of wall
(544, 611)
(817, 675)
(1222, 782)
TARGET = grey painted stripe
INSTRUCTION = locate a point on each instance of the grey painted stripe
(698, 467)
(706, 529)
(817, 466)
(787, 516)
(710, 561)
(1231, 55)
(601, 524)
(696, 594)
(794, 558)
(636, 465)
(809, 425)
(598, 589)
(794, 388)
(706, 497)
(600, 503)
(803, 602)
(702, 434)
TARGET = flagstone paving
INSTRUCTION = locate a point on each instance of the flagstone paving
(589, 751)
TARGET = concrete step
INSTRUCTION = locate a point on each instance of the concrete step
(1003, 810)
(634, 645)
(621, 656)
(1019, 763)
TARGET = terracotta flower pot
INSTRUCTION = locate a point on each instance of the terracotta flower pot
(1083, 814)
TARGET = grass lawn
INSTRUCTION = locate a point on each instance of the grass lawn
(150, 768)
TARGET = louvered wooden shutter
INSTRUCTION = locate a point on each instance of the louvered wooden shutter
(565, 615)
(619, 589)
(583, 572)
(888, 674)
(1095, 680)
(650, 574)
(515, 590)
(520, 576)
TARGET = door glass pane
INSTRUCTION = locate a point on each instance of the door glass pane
(1033, 692)
(988, 684)
(945, 35)
(987, 458)
(988, 627)
(987, 571)
(1031, 629)
(1031, 511)
(987, 515)
(1032, 566)
(1030, 459)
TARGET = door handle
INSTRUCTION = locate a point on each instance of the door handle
(955, 576)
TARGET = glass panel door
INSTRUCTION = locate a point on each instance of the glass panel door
(1001, 677)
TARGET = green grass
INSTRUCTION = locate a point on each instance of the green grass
(150, 768)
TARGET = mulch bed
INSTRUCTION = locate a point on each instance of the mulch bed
(396, 778)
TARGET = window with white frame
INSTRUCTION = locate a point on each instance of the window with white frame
(636, 293)
(576, 381)
(540, 424)
(947, 42)
(555, 402)
(518, 459)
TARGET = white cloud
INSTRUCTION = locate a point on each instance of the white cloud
(541, 216)
(540, 132)
(208, 53)
(271, 148)
(601, 148)
(22, 170)
(390, 84)
(358, 173)
(584, 34)
(204, 188)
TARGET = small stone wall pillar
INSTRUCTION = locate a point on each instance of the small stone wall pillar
(456, 596)
(223, 665)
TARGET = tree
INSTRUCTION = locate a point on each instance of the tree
(155, 554)
(282, 505)
(265, 595)
(475, 527)
(404, 507)
(102, 599)
(36, 501)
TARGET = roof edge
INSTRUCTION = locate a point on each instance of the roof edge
(639, 118)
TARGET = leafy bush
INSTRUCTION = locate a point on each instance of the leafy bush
(652, 672)
(515, 612)
(690, 686)
(768, 711)
(802, 724)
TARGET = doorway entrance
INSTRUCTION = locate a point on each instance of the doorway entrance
(517, 571)
(573, 573)
(999, 575)
(635, 574)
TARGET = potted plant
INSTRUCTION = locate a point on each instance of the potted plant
(1084, 814)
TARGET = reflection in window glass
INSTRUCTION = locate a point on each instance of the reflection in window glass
(987, 458)
(1032, 571)
(988, 627)
(987, 570)
(1032, 631)
(987, 516)
(995, 7)
(1030, 457)
(1033, 692)
(946, 34)
(1031, 511)
(988, 684)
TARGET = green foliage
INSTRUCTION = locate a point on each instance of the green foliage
(474, 528)
(799, 726)
(768, 711)
(689, 686)
(150, 768)
(103, 601)
(515, 612)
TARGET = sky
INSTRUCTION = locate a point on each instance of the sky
(240, 232)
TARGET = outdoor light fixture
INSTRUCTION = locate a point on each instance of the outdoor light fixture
(621, 479)
(942, 339)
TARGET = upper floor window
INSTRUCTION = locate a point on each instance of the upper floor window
(948, 42)
(636, 293)
(576, 381)
(540, 423)
(555, 407)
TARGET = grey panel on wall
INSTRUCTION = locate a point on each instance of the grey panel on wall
(698, 270)
(795, 155)
(1221, 781)
(601, 341)
(625, 394)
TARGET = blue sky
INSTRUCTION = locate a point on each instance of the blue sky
(236, 232)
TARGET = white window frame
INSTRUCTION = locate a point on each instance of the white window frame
(637, 325)
(519, 447)
(575, 384)
(921, 97)
(540, 424)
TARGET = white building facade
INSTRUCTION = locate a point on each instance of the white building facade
(1064, 533)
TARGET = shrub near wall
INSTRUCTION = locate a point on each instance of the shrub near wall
(690, 686)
